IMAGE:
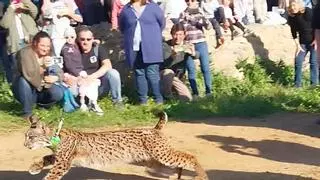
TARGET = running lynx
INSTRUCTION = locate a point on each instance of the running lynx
(95, 150)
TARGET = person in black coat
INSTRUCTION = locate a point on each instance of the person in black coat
(300, 21)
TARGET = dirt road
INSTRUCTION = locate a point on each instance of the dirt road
(281, 146)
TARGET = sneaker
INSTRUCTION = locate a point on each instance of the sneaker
(220, 42)
(195, 97)
(119, 105)
(96, 108)
(247, 32)
(84, 108)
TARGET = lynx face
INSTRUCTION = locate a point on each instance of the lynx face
(37, 135)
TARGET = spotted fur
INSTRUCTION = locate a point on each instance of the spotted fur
(96, 150)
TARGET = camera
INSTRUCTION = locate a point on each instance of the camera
(57, 59)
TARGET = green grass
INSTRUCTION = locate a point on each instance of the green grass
(265, 89)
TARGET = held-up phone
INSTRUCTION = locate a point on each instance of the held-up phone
(57, 60)
(55, 63)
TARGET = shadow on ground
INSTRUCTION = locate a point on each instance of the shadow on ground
(269, 149)
(238, 175)
(231, 112)
(83, 174)
(74, 174)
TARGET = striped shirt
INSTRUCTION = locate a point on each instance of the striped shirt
(194, 22)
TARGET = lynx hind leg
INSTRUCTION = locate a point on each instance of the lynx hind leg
(37, 167)
(180, 160)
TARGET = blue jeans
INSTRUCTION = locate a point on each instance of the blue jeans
(28, 96)
(4, 60)
(111, 82)
(147, 74)
(314, 71)
(202, 48)
(216, 27)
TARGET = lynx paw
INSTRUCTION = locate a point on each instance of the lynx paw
(35, 169)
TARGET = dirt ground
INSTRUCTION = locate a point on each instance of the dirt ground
(281, 146)
(278, 147)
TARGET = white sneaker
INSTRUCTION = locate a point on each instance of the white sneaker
(96, 108)
(84, 108)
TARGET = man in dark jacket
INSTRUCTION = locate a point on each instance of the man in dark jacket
(176, 54)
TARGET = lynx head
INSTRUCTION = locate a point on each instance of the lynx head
(38, 135)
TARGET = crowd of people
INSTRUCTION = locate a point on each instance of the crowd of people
(51, 55)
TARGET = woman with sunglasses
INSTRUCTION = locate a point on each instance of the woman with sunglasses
(142, 22)
(300, 21)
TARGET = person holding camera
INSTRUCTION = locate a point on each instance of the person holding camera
(19, 20)
(32, 83)
(177, 53)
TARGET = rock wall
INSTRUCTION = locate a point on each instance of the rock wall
(270, 42)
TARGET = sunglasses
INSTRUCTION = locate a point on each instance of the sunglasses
(85, 39)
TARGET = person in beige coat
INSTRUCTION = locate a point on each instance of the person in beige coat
(32, 83)
(19, 20)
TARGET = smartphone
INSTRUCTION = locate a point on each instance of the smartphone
(57, 60)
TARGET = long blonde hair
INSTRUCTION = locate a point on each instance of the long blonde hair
(294, 5)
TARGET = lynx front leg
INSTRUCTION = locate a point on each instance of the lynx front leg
(58, 170)
(36, 167)
(63, 161)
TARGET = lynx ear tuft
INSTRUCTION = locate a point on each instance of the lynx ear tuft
(33, 119)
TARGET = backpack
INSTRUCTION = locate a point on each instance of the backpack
(96, 50)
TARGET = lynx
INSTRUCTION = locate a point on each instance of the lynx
(96, 150)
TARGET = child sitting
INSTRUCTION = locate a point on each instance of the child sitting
(210, 8)
(233, 20)
(76, 77)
